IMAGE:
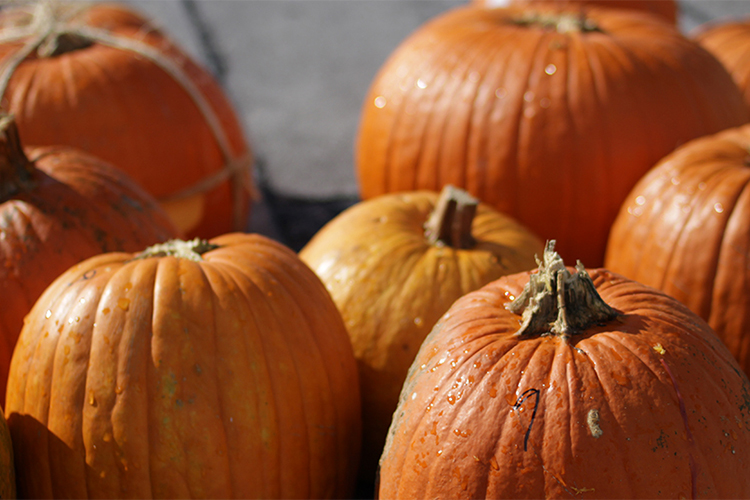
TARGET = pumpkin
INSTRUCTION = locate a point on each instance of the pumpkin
(59, 206)
(570, 383)
(729, 41)
(102, 78)
(205, 368)
(684, 230)
(393, 265)
(548, 113)
(668, 9)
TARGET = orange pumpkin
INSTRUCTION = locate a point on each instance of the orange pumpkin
(547, 113)
(102, 78)
(729, 41)
(59, 206)
(684, 230)
(668, 9)
(202, 369)
(570, 383)
(393, 265)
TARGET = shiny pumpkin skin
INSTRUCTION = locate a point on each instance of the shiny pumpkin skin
(166, 377)
(551, 128)
(123, 108)
(668, 9)
(391, 285)
(80, 207)
(649, 405)
(684, 230)
(729, 41)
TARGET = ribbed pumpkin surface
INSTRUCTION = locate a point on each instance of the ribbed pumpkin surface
(551, 115)
(647, 405)
(230, 375)
(685, 229)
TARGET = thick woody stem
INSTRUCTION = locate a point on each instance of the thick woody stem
(191, 250)
(450, 222)
(16, 171)
(558, 302)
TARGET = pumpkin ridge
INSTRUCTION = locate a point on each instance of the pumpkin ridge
(718, 178)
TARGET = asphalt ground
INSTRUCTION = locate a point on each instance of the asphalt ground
(297, 72)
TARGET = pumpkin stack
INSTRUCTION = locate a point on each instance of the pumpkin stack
(393, 265)
(58, 206)
(550, 113)
(103, 79)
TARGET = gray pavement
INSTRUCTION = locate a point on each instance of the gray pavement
(298, 70)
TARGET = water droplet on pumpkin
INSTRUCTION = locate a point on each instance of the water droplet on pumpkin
(640, 200)
(718, 208)
(702, 186)
(500, 93)
(48, 314)
(421, 84)
(123, 303)
(528, 96)
(439, 452)
(451, 399)
(474, 76)
(635, 211)
(92, 399)
(493, 464)
(544, 103)
(418, 321)
(551, 69)
(413, 396)
(675, 181)
(379, 102)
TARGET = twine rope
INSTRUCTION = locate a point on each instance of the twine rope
(49, 21)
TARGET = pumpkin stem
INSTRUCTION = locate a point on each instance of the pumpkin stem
(558, 302)
(60, 43)
(191, 250)
(567, 22)
(450, 221)
(16, 171)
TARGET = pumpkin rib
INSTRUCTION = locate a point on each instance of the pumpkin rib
(278, 265)
(285, 268)
(719, 179)
(409, 100)
(249, 291)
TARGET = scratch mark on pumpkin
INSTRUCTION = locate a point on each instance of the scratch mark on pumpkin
(691, 442)
(517, 406)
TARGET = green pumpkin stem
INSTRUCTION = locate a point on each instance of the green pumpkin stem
(558, 302)
(16, 171)
(191, 250)
(450, 222)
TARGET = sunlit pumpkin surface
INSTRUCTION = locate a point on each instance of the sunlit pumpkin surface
(392, 283)
(685, 229)
(647, 405)
(551, 115)
(214, 373)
